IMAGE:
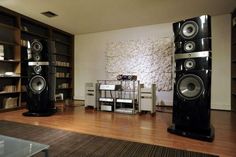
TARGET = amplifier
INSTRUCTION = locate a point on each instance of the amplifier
(124, 100)
(106, 99)
(106, 108)
(126, 77)
(109, 87)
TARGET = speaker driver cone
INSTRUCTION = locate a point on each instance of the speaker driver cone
(189, 64)
(37, 69)
(190, 86)
(36, 56)
(189, 46)
(36, 46)
(189, 30)
(37, 84)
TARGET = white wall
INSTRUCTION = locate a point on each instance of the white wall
(90, 57)
(221, 60)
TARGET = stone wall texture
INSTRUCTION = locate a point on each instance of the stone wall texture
(150, 60)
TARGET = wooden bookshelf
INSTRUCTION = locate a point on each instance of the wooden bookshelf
(15, 28)
(233, 62)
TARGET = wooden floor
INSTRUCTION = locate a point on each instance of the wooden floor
(144, 128)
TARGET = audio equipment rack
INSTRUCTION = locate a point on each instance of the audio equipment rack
(118, 96)
(127, 100)
(106, 94)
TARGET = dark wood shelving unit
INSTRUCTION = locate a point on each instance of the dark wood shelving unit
(62, 42)
(1, 93)
(64, 88)
(8, 26)
(63, 52)
(58, 66)
(10, 61)
(34, 34)
(16, 28)
(10, 76)
(233, 62)
(64, 77)
(8, 43)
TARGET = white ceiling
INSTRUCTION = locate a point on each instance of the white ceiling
(86, 16)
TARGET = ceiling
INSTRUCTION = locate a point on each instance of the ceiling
(87, 16)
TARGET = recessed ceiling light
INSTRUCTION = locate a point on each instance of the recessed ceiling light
(49, 14)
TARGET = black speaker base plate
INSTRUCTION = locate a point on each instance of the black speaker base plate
(195, 134)
(40, 114)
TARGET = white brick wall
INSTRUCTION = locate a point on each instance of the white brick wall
(150, 60)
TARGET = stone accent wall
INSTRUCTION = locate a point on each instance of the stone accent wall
(150, 60)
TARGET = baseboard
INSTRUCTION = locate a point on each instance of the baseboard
(220, 107)
(78, 100)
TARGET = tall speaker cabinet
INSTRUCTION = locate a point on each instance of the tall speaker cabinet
(233, 63)
(16, 31)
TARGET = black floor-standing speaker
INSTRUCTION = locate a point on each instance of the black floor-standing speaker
(38, 75)
(192, 87)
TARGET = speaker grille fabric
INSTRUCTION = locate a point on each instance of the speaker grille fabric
(190, 86)
(37, 84)
(189, 29)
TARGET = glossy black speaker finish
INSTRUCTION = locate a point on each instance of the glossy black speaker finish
(203, 44)
(201, 63)
(195, 113)
(201, 25)
(192, 88)
(37, 50)
(38, 102)
(38, 85)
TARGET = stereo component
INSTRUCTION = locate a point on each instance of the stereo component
(109, 87)
(187, 62)
(106, 108)
(192, 29)
(124, 100)
(106, 99)
(192, 87)
(90, 95)
(127, 77)
(192, 99)
(198, 45)
(147, 98)
(36, 50)
(38, 97)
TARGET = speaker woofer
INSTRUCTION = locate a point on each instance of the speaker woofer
(190, 86)
(37, 84)
(189, 30)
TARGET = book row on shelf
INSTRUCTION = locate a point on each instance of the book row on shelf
(62, 75)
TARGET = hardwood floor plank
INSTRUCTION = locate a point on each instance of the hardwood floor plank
(144, 128)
